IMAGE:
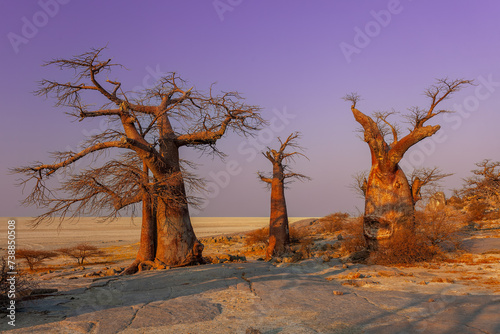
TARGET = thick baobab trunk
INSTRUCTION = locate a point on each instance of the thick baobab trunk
(177, 244)
(279, 237)
(388, 205)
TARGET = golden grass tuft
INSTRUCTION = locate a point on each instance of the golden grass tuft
(257, 236)
(334, 222)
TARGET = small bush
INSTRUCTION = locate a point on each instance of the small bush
(477, 210)
(441, 228)
(435, 232)
(257, 236)
(354, 240)
(34, 257)
(23, 284)
(334, 222)
(298, 235)
(81, 252)
(405, 247)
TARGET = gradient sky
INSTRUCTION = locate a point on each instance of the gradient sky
(282, 56)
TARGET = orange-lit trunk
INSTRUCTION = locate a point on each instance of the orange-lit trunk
(279, 236)
(388, 204)
(147, 248)
(176, 241)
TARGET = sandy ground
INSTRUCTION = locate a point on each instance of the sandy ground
(122, 231)
(316, 295)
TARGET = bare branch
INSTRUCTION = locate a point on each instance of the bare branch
(281, 158)
(352, 97)
(263, 178)
(360, 183)
(425, 177)
(44, 170)
(215, 115)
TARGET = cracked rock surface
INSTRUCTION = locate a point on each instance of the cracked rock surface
(230, 298)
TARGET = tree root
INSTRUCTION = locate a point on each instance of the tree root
(194, 258)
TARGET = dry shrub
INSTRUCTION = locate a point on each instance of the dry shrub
(404, 248)
(298, 235)
(257, 236)
(477, 210)
(305, 250)
(23, 284)
(435, 232)
(491, 281)
(305, 242)
(354, 241)
(34, 257)
(441, 228)
(334, 222)
(80, 252)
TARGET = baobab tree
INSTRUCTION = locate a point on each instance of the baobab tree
(279, 236)
(419, 179)
(389, 198)
(481, 192)
(152, 127)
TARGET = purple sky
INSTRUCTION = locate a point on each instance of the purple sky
(282, 56)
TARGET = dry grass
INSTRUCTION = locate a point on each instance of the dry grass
(435, 232)
(441, 228)
(491, 281)
(23, 284)
(405, 247)
(473, 259)
(354, 240)
(257, 236)
(298, 235)
(442, 280)
(334, 222)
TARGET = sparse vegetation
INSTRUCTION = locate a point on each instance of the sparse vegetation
(334, 222)
(81, 252)
(354, 240)
(441, 228)
(257, 236)
(405, 248)
(22, 286)
(435, 233)
(34, 257)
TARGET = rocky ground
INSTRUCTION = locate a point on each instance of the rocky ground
(239, 293)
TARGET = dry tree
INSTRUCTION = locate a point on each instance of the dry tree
(481, 192)
(389, 197)
(34, 257)
(81, 252)
(152, 127)
(279, 235)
